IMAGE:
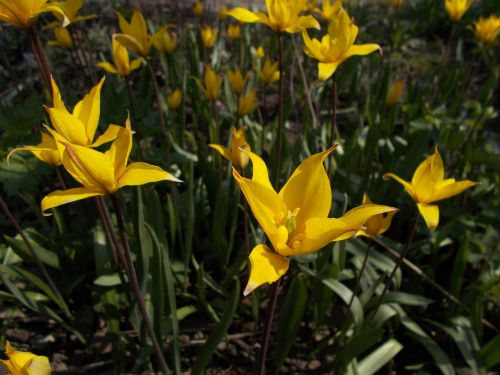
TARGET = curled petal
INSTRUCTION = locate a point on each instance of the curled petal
(143, 173)
(361, 50)
(224, 151)
(109, 135)
(303, 23)
(60, 197)
(107, 67)
(408, 187)
(430, 213)
(266, 267)
(131, 43)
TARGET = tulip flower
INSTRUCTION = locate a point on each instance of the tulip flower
(295, 220)
(329, 11)
(486, 30)
(46, 151)
(63, 38)
(233, 32)
(237, 154)
(165, 41)
(337, 46)
(223, 12)
(237, 81)
(259, 52)
(211, 85)
(123, 67)
(25, 363)
(269, 72)
(310, 5)
(71, 9)
(134, 35)
(457, 8)
(282, 16)
(24, 13)
(198, 8)
(378, 224)
(80, 126)
(428, 186)
(174, 99)
(247, 103)
(209, 36)
(103, 173)
(395, 92)
(396, 3)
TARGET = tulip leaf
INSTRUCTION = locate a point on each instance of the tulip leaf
(491, 352)
(379, 357)
(47, 257)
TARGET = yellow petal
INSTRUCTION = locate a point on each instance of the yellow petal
(120, 149)
(53, 8)
(260, 174)
(131, 43)
(265, 267)
(303, 23)
(309, 189)
(449, 188)
(243, 15)
(408, 187)
(68, 126)
(39, 366)
(60, 197)
(224, 151)
(109, 135)
(89, 108)
(312, 47)
(56, 95)
(361, 50)
(427, 175)
(143, 173)
(325, 70)
(107, 67)
(430, 213)
(135, 64)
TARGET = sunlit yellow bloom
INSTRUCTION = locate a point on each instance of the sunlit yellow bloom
(260, 52)
(71, 8)
(209, 36)
(235, 155)
(24, 13)
(428, 186)
(79, 127)
(45, 151)
(282, 15)
(457, 8)
(25, 363)
(295, 220)
(134, 35)
(174, 99)
(396, 3)
(103, 173)
(337, 46)
(310, 5)
(487, 30)
(395, 92)
(63, 38)
(329, 11)
(223, 12)
(122, 66)
(164, 40)
(211, 85)
(233, 32)
(247, 103)
(198, 8)
(269, 73)
(236, 80)
(378, 224)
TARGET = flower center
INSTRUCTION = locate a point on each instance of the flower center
(291, 220)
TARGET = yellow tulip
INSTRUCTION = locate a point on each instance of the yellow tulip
(211, 85)
(198, 8)
(282, 16)
(247, 103)
(223, 12)
(236, 80)
(396, 3)
(233, 32)
(103, 173)
(24, 13)
(457, 8)
(71, 9)
(236, 156)
(46, 151)
(329, 11)
(79, 127)
(378, 224)
(486, 30)
(25, 363)
(174, 99)
(259, 52)
(165, 41)
(337, 46)
(310, 5)
(209, 36)
(428, 186)
(122, 66)
(269, 73)
(395, 92)
(63, 38)
(295, 220)
(134, 35)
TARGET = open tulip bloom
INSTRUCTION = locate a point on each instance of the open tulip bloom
(103, 173)
(135, 34)
(122, 66)
(25, 13)
(25, 363)
(282, 15)
(295, 220)
(428, 185)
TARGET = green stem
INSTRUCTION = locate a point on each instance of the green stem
(358, 281)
